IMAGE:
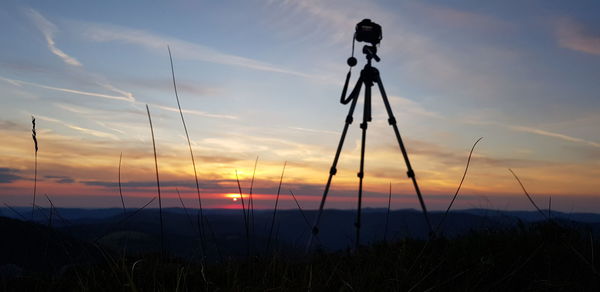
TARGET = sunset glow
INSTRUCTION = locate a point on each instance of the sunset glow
(266, 83)
(233, 197)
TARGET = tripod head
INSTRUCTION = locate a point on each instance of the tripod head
(370, 33)
(371, 53)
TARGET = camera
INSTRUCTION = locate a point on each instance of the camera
(368, 32)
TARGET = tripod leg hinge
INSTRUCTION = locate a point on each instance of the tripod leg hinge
(333, 171)
(410, 173)
(364, 126)
(392, 121)
(315, 230)
(360, 174)
(349, 119)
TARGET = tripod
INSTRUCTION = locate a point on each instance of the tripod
(368, 76)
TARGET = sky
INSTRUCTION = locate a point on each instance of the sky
(262, 79)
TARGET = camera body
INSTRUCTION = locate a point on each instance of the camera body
(368, 32)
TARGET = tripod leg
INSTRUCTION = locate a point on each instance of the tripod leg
(333, 170)
(361, 172)
(410, 172)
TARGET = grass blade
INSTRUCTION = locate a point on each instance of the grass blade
(301, 211)
(387, 215)
(251, 200)
(527, 194)
(184, 208)
(244, 213)
(15, 211)
(162, 236)
(437, 229)
(120, 187)
(275, 208)
(35, 143)
(187, 136)
(51, 210)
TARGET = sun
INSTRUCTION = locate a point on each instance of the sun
(233, 197)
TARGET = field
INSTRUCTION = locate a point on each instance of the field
(500, 252)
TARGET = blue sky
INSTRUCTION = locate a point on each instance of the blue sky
(263, 78)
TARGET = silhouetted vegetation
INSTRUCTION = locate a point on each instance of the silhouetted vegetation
(532, 257)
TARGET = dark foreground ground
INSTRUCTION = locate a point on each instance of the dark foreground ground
(543, 256)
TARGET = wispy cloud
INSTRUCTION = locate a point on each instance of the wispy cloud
(575, 36)
(87, 131)
(536, 131)
(48, 29)
(313, 130)
(190, 88)
(413, 107)
(554, 135)
(128, 97)
(195, 112)
(183, 49)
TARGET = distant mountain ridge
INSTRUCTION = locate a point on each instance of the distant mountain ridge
(224, 233)
(103, 213)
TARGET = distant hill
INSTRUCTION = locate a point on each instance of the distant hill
(225, 233)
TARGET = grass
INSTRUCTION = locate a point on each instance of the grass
(162, 234)
(201, 219)
(275, 209)
(244, 213)
(440, 225)
(35, 144)
(120, 187)
(387, 215)
(524, 258)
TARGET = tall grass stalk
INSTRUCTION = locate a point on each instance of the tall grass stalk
(275, 208)
(437, 229)
(527, 194)
(251, 200)
(35, 143)
(187, 136)
(125, 219)
(56, 213)
(244, 213)
(387, 215)
(301, 211)
(566, 243)
(162, 236)
(184, 208)
(15, 211)
(549, 207)
(120, 187)
(51, 210)
(316, 236)
(137, 211)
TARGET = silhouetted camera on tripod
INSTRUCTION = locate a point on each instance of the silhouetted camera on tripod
(369, 32)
